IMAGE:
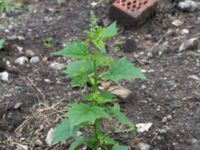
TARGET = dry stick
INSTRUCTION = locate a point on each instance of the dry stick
(43, 97)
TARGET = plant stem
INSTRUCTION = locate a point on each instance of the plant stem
(95, 88)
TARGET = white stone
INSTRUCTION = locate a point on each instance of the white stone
(144, 146)
(21, 60)
(57, 66)
(177, 23)
(184, 31)
(120, 91)
(4, 76)
(189, 5)
(142, 127)
(48, 139)
(191, 44)
(34, 60)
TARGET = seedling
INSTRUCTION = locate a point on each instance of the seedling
(90, 65)
(48, 43)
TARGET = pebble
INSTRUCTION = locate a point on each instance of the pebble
(18, 105)
(57, 66)
(119, 91)
(166, 118)
(29, 53)
(184, 31)
(142, 127)
(34, 60)
(191, 44)
(177, 23)
(144, 146)
(47, 80)
(4, 76)
(189, 5)
(21, 60)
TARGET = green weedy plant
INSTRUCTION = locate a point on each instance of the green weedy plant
(90, 65)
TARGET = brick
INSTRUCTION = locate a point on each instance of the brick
(132, 13)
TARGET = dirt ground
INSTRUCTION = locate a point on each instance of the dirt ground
(36, 95)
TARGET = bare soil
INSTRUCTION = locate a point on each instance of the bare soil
(30, 104)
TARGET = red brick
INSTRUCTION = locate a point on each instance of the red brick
(131, 13)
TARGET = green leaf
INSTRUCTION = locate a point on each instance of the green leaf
(103, 60)
(75, 49)
(122, 69)
(121, 117)
(100, 45)
(100, 97)
(108, 32)
(105, 140)
(79, 71)
(63, 131)
(2, 42)
(80, 113)
(120, 147)
(78, 142)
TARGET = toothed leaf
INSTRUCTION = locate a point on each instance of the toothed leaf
(80, 113)
(79, 71)
(63, 132)
(75, 49)
(123, 70)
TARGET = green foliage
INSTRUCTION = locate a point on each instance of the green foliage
(2, 42)
(122, 69)
(90, 64)
(79, 71)
(7, 5)
(48, 43)
(60, 134)
(75, 49)
(80, 113)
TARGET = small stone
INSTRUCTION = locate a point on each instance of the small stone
(94, 4)
(162, 131)
(191, 44)
(189, 5)
(29, 53)
(177, 23)
(34, 60)
(21, 60)
(169, 117)
(184, 31)
(38, 142)
(4, 76)
(119, 91)
(164, 120)
(18, 105)
(57, 66)
(144, 146)
(47, 80)
(142, 127)
(48, 139)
